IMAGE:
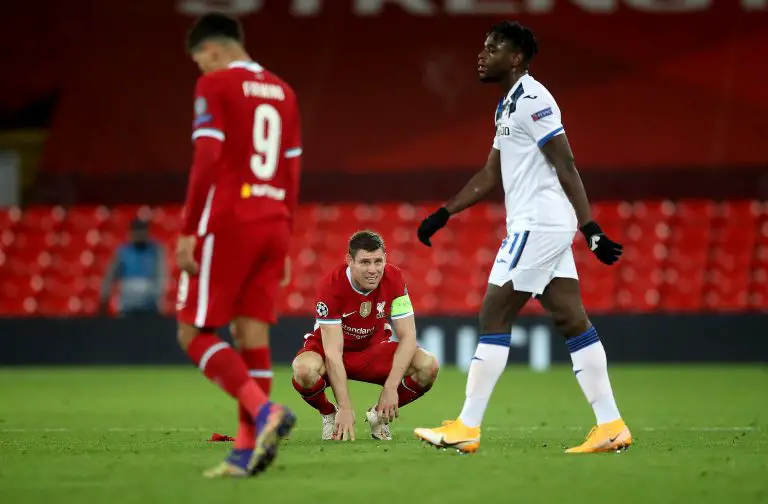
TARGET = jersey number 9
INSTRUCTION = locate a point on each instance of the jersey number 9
(267, 129)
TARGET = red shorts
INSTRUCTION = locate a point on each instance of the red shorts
(240, 273)
(370, 364)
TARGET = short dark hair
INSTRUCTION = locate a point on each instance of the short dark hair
(365, 240)
(517, 35)
(214, 25)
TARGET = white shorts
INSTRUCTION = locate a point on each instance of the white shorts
(531, 259)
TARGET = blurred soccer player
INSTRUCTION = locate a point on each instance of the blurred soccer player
(546, 203)
(233, 249)
(351, 341)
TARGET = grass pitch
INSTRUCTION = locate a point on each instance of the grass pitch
(139, 435)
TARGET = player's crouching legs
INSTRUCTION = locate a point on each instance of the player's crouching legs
(308, 372)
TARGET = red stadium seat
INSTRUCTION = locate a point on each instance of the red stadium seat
(9, 218)
(638, 288)
(652, 213)
(681, 296)
(739, 214)
(611, 212)
(598, 285)
(16, 307)
(759, 289)
(83, 219)
(744, 237)
(55, 306)
(42, 219)
(761, 233)
(695, 213)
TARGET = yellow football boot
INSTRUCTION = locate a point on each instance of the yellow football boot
(452, 435)
(607, 437)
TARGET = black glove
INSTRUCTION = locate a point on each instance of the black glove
(432, 225)
(607, 251)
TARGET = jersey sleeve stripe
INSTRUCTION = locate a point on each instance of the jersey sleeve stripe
(402, 315)
(549, 135)
(208, 132)
(328, 321)
(295, 152)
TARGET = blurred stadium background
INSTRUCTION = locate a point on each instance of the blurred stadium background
(664, 104)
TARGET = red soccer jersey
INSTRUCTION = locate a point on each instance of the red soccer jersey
(256, 117)
(362, 315)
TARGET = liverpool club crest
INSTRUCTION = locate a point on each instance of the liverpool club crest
(365, 309)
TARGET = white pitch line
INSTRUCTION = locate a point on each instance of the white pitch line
(495, 429)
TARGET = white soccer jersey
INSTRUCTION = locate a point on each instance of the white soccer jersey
(525, 120)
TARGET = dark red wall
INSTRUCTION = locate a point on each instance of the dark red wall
(397, 91)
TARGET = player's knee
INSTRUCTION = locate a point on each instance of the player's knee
(432, 370)
(305, 373)
(571, 322)
(426, 368)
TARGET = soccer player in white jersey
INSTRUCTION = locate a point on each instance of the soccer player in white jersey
(546, 203)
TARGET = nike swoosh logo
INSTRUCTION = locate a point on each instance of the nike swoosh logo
(611, 440)
(348, 314)
(575, 373)
(446, 444)
(531, 97)
(476, 358)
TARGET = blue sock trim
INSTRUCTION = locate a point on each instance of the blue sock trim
(240, 457)
(583, 340)
(261, 416)
(499, 339)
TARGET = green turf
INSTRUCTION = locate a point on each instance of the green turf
(118, 436)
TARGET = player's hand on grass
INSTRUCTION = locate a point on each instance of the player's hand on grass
(286, 273)
(345, 425)
(185, 254)
(432, 225)
(606, 250)
(386, 408)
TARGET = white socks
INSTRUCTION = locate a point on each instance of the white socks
(484, 371)
(591, 369)
(589, 365)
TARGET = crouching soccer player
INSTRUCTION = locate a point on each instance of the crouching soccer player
(351, 341)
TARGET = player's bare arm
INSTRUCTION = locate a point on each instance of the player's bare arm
(405, 328)
(201, 178)
(333, 343)
(478, 187)
(185, 254)
(558, 152)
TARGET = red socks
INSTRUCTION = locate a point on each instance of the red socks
(259, 364)
(315, 396)
(224, 367)
(408, 391)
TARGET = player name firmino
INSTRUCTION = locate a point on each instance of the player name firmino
(262, 90)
